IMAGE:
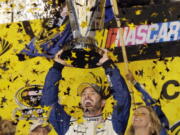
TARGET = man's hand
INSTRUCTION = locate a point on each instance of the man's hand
(59, 60)
(104, 58)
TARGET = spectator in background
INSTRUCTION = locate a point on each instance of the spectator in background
(145, 122)
(38, 128)
(7, 127)
(148, 119)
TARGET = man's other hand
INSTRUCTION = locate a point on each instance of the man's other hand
(58, 59)
(104, 58)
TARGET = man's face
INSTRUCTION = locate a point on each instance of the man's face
(91, 100)
(141, 118)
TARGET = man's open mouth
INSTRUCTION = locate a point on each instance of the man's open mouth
(88, 103)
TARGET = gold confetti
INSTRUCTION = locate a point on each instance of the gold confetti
(138, 12)
(84, 24)
(154, 14)
(74, 55)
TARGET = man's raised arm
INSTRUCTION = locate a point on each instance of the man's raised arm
(120, 93)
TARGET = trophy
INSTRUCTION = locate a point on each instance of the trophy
(85, 16)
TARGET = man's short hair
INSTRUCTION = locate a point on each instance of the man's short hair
(83, 86)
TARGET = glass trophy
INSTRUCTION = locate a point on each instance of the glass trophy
(85, 17)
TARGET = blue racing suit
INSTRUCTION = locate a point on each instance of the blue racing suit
(61, 120)
(151, 102)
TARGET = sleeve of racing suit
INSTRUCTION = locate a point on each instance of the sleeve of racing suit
(151, 102)
(120, 93)
(58, 117)
(50, 89)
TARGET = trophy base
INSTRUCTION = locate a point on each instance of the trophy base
(82, 53)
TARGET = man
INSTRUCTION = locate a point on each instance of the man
(92, 102)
